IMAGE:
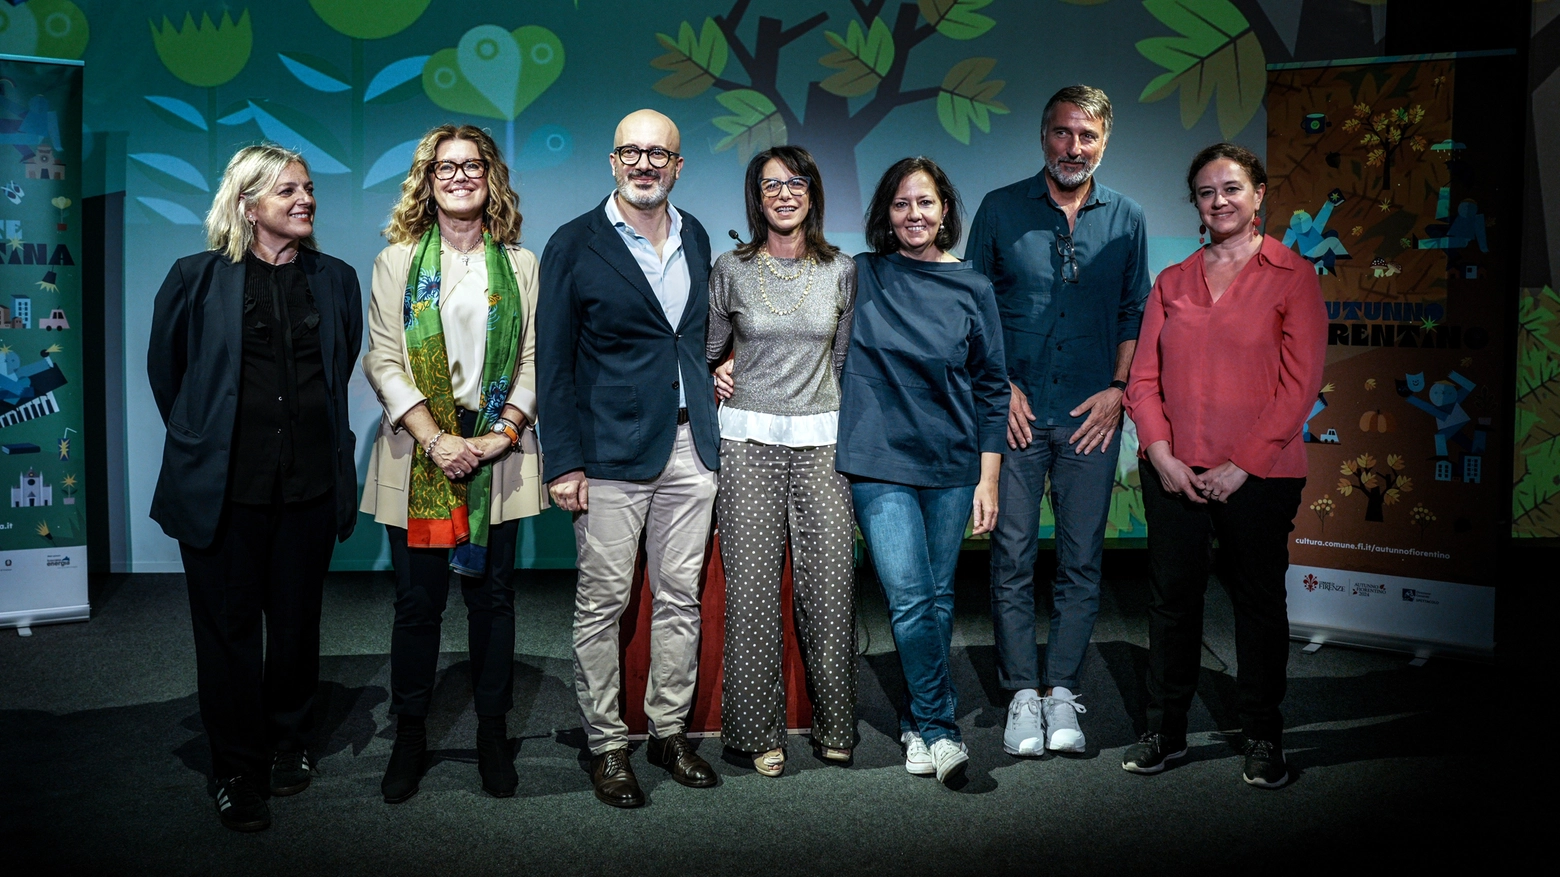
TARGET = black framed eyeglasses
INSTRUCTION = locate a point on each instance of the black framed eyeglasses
(1064, 248)
(629, 155)
(796, 185)
(473, 168)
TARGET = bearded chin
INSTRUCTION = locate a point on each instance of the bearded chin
(1070, 180)
(642, 199)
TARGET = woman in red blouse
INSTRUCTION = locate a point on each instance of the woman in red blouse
(1229, 361)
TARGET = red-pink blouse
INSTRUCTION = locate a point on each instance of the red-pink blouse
(1232, 379)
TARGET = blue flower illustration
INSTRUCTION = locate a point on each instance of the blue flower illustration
(424, 295)
(497, 394)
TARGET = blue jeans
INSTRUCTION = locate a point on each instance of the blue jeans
(913, 535)
(1080, 497)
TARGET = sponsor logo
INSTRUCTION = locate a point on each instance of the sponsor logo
(1367, 589)
(57, 560)
(1312, 583)
(1419, 595)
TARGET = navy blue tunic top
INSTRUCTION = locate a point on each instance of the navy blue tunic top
(925, 390)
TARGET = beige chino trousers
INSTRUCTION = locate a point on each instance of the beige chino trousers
(674, 512)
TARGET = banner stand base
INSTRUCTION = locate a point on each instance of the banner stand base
(25, 620)
(1317, 635)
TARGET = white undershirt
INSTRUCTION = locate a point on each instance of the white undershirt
(463, 309)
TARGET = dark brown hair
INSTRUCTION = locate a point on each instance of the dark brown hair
(1242, 156)
(880, 229)
(799, 162)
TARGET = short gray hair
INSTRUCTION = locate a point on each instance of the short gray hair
(251, 172)
(1091, 100)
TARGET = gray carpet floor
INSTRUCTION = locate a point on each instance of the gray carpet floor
(105, 763)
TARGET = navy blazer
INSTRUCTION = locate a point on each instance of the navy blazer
(607, 358)
(193, 364)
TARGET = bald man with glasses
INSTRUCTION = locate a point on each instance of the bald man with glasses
(630, 442)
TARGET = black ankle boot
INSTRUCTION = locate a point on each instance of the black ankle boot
(405, 769)
(495, 760)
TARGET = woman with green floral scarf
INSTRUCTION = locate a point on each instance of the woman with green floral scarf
(455, 463)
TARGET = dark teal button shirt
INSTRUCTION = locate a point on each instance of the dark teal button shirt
(924, 391)
(1060, 337)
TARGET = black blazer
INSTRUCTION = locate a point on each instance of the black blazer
(193, 361)
(607, 358)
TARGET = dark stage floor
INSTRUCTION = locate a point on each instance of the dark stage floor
(104, 763)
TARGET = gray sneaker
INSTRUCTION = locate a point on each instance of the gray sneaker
(918, 760)
(950, 758)
(1059, 711)
(1025, 732)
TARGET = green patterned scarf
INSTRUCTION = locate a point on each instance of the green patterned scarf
(442, 513)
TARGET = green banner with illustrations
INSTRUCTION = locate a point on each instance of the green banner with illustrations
(43, 530)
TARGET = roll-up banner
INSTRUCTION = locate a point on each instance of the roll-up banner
(1403, 210)
(43, 529)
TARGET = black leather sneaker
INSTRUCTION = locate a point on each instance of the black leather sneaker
(290, 773)
(1265, 765)
(1152, 752)
(240, 805)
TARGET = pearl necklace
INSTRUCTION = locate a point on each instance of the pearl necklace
(763, 287)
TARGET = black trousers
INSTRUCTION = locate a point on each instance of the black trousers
(256, 689)
(422, 588)
(1253, 532)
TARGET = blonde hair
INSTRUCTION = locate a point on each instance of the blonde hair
(251, 172)
(416, 211)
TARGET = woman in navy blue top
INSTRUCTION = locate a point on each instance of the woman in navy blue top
(923, 423)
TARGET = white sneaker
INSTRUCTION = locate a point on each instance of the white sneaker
(1025, 732)
(1059, 711)
(950, 758)
(917, 759)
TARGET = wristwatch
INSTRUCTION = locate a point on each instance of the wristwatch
(1119, 385)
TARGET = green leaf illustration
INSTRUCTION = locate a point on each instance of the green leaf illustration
(754, 126)
(1538, 353)
(695, 61)
(1535, 510)
(861, 58)
(967, 96)
(177, 113)
(313, 71)
(1217, 52)
(957, 19)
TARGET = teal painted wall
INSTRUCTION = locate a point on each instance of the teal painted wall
(353, 82)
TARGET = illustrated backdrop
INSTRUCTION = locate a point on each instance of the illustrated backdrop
(1393, 191)
(43, 529)
(174, 86)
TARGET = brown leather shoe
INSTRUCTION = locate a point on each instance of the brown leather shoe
(614, 779)
(676, 754)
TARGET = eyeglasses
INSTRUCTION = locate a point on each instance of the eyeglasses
(473, 168)
(629, 155)
(796, 185)
(1064, 248)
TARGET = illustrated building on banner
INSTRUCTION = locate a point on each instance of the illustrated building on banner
(31, 491)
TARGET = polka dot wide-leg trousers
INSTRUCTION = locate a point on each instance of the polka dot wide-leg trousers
(769, 492)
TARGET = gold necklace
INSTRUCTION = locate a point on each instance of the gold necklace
(763, 287)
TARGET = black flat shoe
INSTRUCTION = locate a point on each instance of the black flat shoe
(290, 773)
(407, 762)
(240, 806)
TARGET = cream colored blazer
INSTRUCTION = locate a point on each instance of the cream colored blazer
(517, 477)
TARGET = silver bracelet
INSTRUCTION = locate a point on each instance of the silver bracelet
(428, 448)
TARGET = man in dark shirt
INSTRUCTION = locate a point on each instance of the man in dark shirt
(1067, 257)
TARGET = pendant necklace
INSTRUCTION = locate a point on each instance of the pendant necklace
(465, 255)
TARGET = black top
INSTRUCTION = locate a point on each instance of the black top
(925, 388)
(281, 439)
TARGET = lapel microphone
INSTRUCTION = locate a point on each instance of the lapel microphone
(734, 236)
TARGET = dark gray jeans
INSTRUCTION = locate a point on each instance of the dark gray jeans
(1080, 497)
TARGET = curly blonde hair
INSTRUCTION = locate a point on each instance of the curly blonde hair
(416, 211)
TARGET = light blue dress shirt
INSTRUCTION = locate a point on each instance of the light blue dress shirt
(666, 272)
